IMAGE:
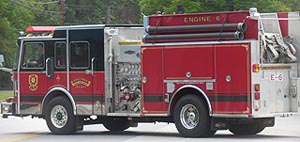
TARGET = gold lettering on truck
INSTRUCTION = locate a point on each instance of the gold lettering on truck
(218, 18)
(197, 19)
(80, 83)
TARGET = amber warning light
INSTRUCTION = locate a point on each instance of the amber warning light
(256, 87)
(255, 67)
(256, 97)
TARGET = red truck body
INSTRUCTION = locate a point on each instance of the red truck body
(204, 72)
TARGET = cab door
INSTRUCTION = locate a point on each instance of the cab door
(86, 69)
(32, 76)
(56, 61)
(81, 78)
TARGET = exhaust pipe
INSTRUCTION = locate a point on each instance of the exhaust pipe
(216, 27)
(152, 38)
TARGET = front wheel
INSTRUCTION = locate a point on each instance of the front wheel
(191, 117)
(59, 116)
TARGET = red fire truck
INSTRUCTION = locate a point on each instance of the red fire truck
(204, 72)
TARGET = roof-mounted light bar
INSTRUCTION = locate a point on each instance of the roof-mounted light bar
(40, 29)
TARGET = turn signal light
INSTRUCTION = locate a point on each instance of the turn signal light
(255, 67)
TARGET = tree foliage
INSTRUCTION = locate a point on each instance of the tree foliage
(84, 12)
(102, 11)
(12, 20)
(293, 5)
(149, 7)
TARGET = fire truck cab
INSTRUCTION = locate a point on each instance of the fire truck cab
(204, 72)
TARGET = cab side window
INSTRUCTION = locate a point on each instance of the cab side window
(60, 54)
(34, 55)
(80, 54)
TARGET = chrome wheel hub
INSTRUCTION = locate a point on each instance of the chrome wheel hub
(59, 116)
(189, 116)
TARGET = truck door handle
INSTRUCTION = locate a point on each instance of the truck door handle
(92, 67)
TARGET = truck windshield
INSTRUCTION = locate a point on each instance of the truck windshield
(16, 59)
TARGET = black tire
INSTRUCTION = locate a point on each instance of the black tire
(59, 116)
(116, 124)
(246, 129)
(191, 117)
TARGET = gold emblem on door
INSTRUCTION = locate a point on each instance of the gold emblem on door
(33, 81)
(80, 83)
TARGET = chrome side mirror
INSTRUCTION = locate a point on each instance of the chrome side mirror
(1, 65)
(1, 60)
(49, 68)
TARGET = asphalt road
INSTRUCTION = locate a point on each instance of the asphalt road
(17, 129)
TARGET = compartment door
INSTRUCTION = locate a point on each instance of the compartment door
(152, 79)
(233, 78)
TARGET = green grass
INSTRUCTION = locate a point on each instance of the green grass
(5, 94)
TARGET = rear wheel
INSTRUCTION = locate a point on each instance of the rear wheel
(116, 124)
(191, 117)
(59, 116)
(246, 129)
